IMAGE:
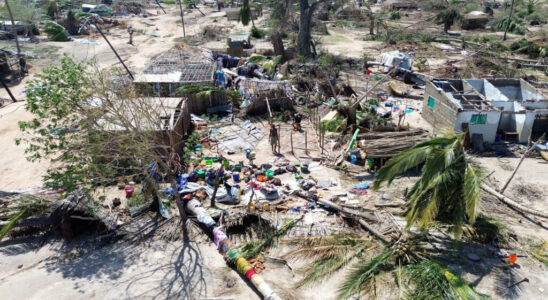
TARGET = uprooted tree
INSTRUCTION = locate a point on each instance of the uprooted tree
(86, 122)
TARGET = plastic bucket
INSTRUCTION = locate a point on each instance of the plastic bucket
(270, 174)
(262, 178)
(209, 163)
(227, 164)
(236, 177)
(201, 174)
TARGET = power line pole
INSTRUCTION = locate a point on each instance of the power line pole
(13, 28)
(508, 20)
(114, 50)
(182, 17)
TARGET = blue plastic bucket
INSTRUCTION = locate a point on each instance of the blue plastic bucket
(236, 177)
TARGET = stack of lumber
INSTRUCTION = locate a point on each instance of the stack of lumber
(389, 144)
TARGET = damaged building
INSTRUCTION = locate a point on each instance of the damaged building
(509, 109)
(170, 70)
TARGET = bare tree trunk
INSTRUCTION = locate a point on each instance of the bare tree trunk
(371, 24)
(304, 37)
(508, 20)
(278, 45)
(13, 29)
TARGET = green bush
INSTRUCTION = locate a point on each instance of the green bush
(516, 26)
(168, 1)
(257, 33)
(55, 32)
(395, 15)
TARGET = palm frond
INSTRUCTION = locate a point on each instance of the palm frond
(363, 272)
(433, 281)
(472, 191)
(424, 203)
(486, 229)
(399, 281)
(462, 289)
(252, 249)
(325, 266)
(400, 163)
(21, 215)
(329, 240)
(429, 282)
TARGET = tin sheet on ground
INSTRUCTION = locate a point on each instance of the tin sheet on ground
(236, 138)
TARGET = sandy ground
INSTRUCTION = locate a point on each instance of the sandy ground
(48, 269)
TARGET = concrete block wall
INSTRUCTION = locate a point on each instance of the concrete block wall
(444, 114)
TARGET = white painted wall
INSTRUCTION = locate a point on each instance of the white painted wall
(488, 130)
(524, 125)
(535, 104)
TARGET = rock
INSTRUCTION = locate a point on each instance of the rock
(230, 282)
(472, 256)
(116, 202)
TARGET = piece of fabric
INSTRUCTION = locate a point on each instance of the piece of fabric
(243, 266)
(265, 289)
(250, 273)
(361, 186)
(218, 236)
(257, 280)
(234, 254)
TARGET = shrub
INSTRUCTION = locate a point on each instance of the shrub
(257, 33)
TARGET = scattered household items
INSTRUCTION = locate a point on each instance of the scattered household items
(394, 59)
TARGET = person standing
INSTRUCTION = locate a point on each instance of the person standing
(130, 31)
(273, 137)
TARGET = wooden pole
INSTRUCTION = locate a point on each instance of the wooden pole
(305, 142)
(279, 138)
(13, 28)
(7, 89)
(513, 204)
(519, 164)
(114, 50)
(182, 17)
(508, 20)
(163, 8)
(269, 111)
(291, 139)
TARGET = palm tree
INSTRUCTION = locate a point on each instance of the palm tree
(448, 17)
(449, 188)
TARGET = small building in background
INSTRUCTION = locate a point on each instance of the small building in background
(510, 109)
(171, 70)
